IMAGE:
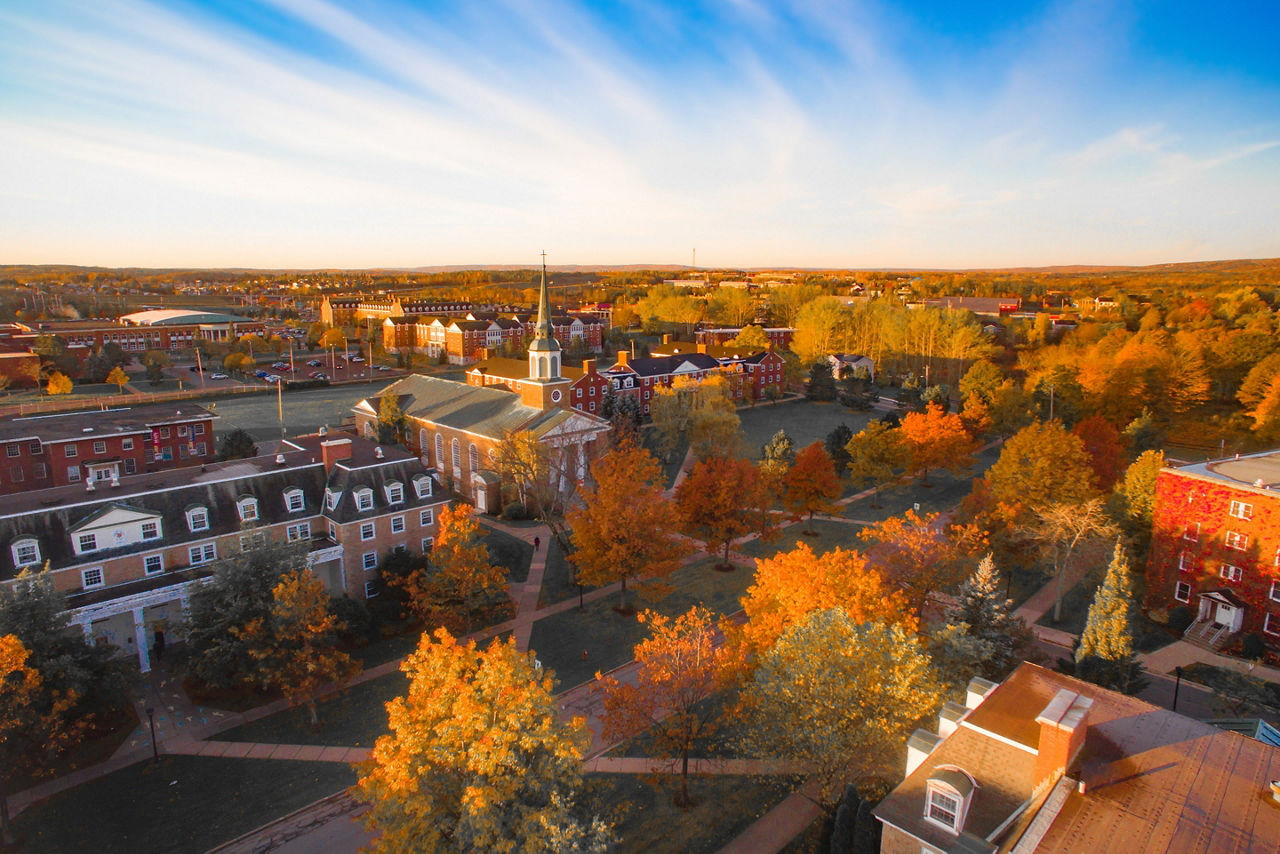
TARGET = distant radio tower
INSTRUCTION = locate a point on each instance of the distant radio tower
(695, 258)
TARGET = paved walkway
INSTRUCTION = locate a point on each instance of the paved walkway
(775, 829)
(1181, 654)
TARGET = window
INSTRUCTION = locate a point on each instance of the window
(248, 508)
(73, 474)
(422, 486)
(593, 391)
(439, 450)
(333, 532)
(42, 471)
(150, 530)
(1231, 573)
(164, 432)
(473, 458)
(202, 553)
(1236, 540)
(99, 447)
(130, 465)
(91, 577)
(198, 519)
(294, 500)
(197, 430)
(1182, 591)
(1271, 625)
(370, 589)
(364, 499)
(26, 553)
(456, 447)
(256, 540)
(944, 809)
(1240, 510)
(200, 449)
(12, 449)
(331, 498)
(426, 517)
(395, 493)
(1191, 533)
(428, 543)
(126, 444)
(70, 450)
(182, 430)
(367, 531)
(87, 543)
(36, 448)
(1274, 595)
(397, 524)
(153, 564)
(300, 531)
(15, 473)
(369, 560)
(1185, 563)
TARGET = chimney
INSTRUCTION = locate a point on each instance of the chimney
(1062, 732)
(668, 338)
(624, 358)
(702, 348)
(333, 450)
(377, 452)
(588, 366)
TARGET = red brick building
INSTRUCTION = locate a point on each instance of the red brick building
(747, 375)
(587, 386)
(463, 340)
(159, 329)
(779, 336)
(45, 451)
(1216, 547)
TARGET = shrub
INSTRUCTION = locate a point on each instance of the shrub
(515, 512)
(1180, 617)
(1252, 647)
(356, 623)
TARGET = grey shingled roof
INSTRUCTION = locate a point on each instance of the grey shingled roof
(485, 411)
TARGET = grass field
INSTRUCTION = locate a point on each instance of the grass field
(510, 552)
(805, 421)
(182, 804)
(351, 718)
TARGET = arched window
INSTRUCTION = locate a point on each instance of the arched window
(248, 509)
(368, 429)
(474, 458)
(457, 454)
(26, 552)
(439, 451)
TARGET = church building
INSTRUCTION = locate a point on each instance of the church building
(456, 428)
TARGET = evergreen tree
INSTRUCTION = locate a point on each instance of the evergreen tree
(855, 388)
(835, 443)
(1105, 653)
(822, 384)
(987, 617)
(779, 452)
(237, 445)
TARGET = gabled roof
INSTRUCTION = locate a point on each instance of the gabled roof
(655, 366)
(482, 410)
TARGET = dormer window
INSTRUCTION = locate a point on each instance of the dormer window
(294, 500)
(248, 509)
(422, 486)
(332, 498)
(947, 797)
(197, 519)
(395, 493)
(26, 553)
(364, 499)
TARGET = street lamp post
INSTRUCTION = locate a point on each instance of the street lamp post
(151, 718)
(1177, 683)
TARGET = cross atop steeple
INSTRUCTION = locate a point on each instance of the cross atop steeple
(542, 330)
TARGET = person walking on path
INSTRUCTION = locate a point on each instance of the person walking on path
(537, 543)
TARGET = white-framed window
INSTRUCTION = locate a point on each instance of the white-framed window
(456, 448)
(197, 430)
(150, 530)
(1241, 510)
(1274, 594)
(203, 553)
(1235, 540)
(369, 560)
(428, 543)
(100, 447)
(1185, 563)
(12, 449)
(130, 465)
(1230, 573)
(333, 531)
(91, 577)
(370, 589)
(395, 493)
(473, 458)
(439, 450)
(422, 486)
(426, 517)
(182, 430)
(36, 448)
(942, 808)
(86, 543)
(367, 531)
(198, 519)
(164, 432)
(397, 524)
(255, 540)
(1182, 591)
(26, 552)
(364, 499)
(153, 564)
(1191, 532)
(331, 498)
(1271, 625)
(248, 509)
(69, 450)
(73, 474)
(42, 471)
(298, 532)
(294, 500)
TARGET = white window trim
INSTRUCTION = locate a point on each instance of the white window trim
(1241, 510)
(364, 499)
(1179, 586)
(158, 556)
(290, 495)
(371, 529)
(394, 492)
(947, 792)
(369, 565)
(422, 486)
(426, 517)
(1235, 540)
(1231, 572)
(1183, 563)
(194, 512)
(248, 509)
(1271, 624)
(1188, 535)
(298, 531)
(80, 545)
(35, 550)
(1274, 595)
(368, 585)
(397, 521)
(84, 578)
(142, 529)
(428, 543)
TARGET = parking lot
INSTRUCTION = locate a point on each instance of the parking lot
(304, 366)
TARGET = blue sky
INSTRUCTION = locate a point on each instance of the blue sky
(321, 133)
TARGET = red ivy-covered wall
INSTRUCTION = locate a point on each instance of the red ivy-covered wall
(1182, 502)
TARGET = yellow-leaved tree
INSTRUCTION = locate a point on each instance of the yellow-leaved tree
(478, 758)
(59, 383)
(837, 698)
(296, 645)
(118, 377)
(459, 578)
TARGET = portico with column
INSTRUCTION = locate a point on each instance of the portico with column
(128, 621)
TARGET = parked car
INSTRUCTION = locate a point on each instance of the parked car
(262, 375)
(271, 378)
(357, 358)
(383, 368)
(314, 363)
(218, 376)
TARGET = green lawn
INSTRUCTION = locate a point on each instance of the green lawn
(510, 552)
(645, 819)
(351, 718)
(182, 804)
(609, 637)
(1147, 636)
(831, 535)
(557, 577)
(388, 649)
(945, 491)
(805, 421)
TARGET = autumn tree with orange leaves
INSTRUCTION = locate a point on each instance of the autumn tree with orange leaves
(681, 665)
(459, 578)
(35, 724)
(1105, 448)
(811, 486)
(936, 440)
(791, 584)
(478, 757)
(625, 527)
(922, 555)
(723, 498)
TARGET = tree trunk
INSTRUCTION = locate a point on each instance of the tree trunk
(684, 778)
(624, 593)
(727, 543)
(311, 708)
